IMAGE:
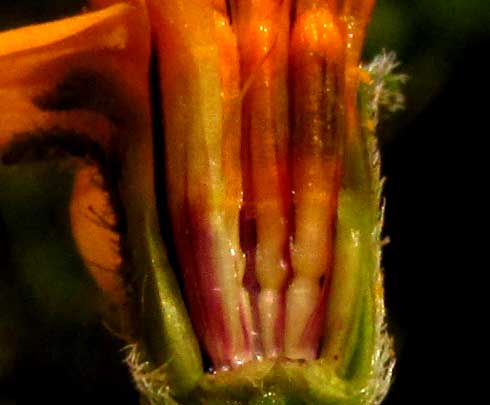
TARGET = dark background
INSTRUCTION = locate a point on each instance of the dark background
(429, 151)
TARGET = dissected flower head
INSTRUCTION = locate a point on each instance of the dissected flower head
(272, 211)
